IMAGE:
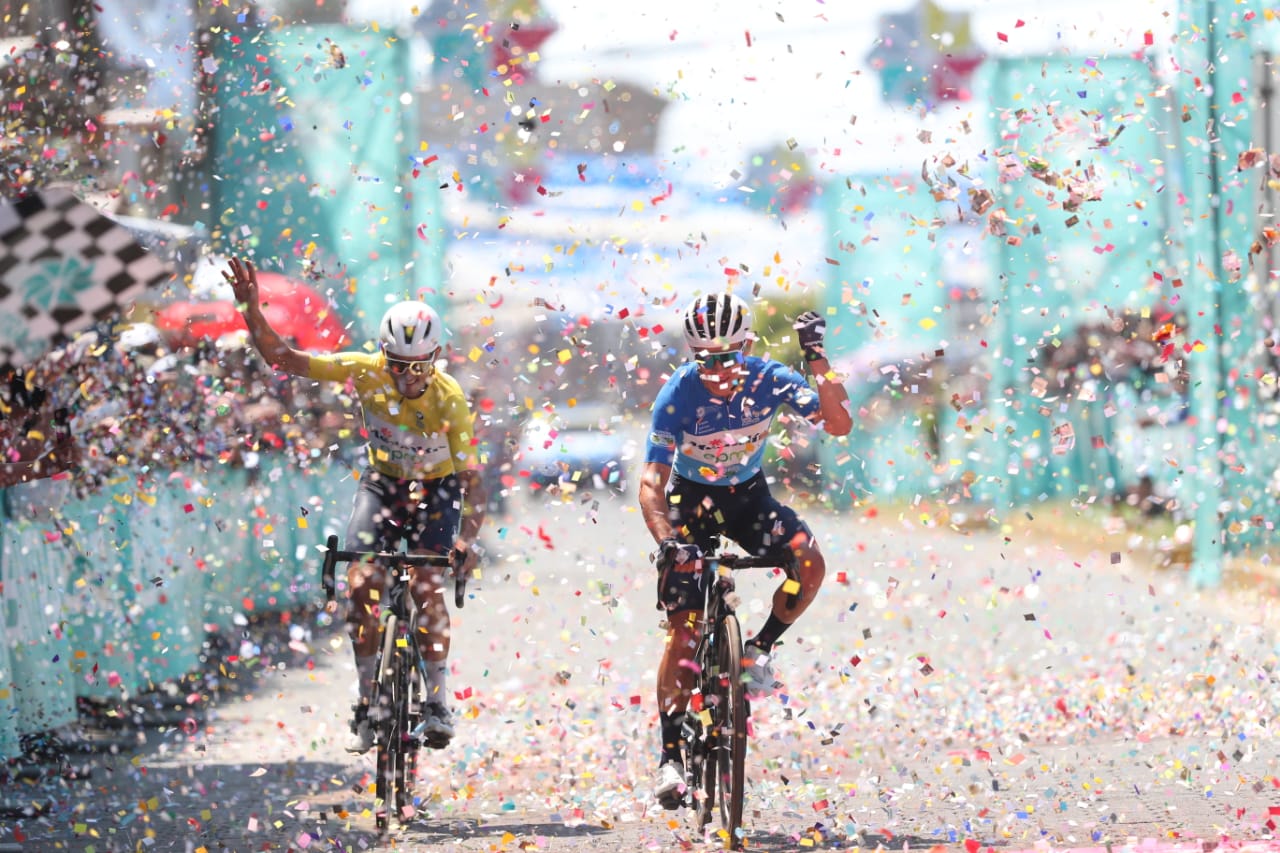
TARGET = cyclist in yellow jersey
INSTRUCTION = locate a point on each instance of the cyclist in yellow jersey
(421, 483)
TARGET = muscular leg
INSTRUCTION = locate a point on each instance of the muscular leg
(365, 584)
(366, 581)
(433, 630)
(676, 679)
(433, 626)
(810, 570)
(811, 567)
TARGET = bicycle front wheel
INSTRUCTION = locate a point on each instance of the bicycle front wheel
(382, 716)
(725, 768)
(404, 754)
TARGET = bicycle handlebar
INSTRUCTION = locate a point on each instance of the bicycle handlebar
(332, 554)
(746, 561)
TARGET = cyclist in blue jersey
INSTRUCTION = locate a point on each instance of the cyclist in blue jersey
(702, 479)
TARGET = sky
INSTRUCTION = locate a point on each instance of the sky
(741, 75)
(802, 72)
(748, 74)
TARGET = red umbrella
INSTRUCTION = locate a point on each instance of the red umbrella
(294, 309)
(183, 323)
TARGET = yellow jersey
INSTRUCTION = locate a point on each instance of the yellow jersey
(421, 439)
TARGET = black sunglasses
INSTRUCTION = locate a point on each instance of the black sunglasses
(712, 360)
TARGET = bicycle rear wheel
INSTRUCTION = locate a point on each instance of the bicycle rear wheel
(702, 774)
(725, 769)
(382, 717)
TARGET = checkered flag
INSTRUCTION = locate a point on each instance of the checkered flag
(64, 267)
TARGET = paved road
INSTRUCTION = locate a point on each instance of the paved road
(946, 689)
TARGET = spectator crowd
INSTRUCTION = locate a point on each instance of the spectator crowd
(112, 404)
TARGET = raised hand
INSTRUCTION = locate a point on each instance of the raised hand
(243, 278)
(811, 329)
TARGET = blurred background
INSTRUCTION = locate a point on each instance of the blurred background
(1042, 238)
(1043, 242)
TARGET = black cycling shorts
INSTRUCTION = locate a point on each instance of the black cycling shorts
(747, 513)
(423, 513)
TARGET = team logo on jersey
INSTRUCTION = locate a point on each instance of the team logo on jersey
(662, 439)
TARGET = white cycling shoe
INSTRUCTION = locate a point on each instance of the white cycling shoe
(669, 785)
(436, 729)
(360, 740)
(758, 677)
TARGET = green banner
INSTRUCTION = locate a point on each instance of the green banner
(885, 307)
(1216, 102)
(320, 169)
(1079, 251)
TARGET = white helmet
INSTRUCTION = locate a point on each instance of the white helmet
(717, 320)
(410, 330)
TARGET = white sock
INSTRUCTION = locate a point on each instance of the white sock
(436, 688)
(365, 675)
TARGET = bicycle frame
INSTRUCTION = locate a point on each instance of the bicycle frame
(715, 729)
(399, 695)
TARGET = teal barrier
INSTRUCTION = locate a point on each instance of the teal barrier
(293, 510)
(277, 584)
(327, 493)
(8, 701)
(8, 683)
(896, 463)
(315, 504)
(35, 572)
(111, 595)
(168, 612)
(220, 547)
(100, 594)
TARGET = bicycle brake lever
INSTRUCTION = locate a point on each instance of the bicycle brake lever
(327, 581)
(459, 560)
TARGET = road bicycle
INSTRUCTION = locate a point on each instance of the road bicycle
(715, 723)
(399, 692)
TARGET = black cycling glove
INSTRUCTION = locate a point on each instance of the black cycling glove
(811, 329)
(672, 551)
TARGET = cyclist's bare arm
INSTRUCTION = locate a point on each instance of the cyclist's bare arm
(474, 499)
(653, 500)
(243, 278)
(833, 400)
